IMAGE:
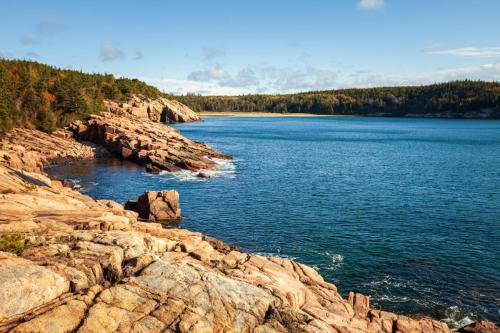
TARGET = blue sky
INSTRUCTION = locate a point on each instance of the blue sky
(236, 47)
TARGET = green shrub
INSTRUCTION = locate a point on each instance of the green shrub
(12, 242)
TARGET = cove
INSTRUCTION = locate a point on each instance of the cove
(404, 210)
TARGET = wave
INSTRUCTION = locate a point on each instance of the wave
(455, 318)
(225, 169)
(182, 175)
(272, 254)
(392, 290)
(337, 260)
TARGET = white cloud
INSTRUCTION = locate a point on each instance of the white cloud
(370, 4)
(244, 78)
(270, 78)
(487, 72)
(110, 53)
(431, 47)
(482, 52)
(288, 80)
(292, 80)
(210, 74)
(178, 87)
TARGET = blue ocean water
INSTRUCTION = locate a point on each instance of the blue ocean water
(404, 210)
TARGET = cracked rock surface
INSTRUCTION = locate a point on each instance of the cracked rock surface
(90, 266)
(155, 109)
(154, 145)
(31, 150)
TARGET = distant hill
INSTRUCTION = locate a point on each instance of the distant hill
(457, 99)
(45, 97)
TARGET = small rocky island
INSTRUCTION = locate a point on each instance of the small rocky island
(82, 265)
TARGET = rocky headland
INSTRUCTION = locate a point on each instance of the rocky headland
(83, 265)
(157, 110)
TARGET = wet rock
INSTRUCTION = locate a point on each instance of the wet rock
(152, 168)
(480, 327)
(203, 175)
(157, 206)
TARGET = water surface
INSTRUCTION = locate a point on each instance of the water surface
(404, 210)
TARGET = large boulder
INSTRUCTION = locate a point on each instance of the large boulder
(157, 206)
(176, 112)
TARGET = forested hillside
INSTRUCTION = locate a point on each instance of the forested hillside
(41, 96)
(452, 99)
(45, 97)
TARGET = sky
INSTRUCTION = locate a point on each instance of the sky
(223, 47)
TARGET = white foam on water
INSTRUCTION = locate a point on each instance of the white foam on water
(380, 291)
(75, 183)
(271, 254)
(455, 318)
(337, 260)
(182, 175)
(388, 281)
(224, 169)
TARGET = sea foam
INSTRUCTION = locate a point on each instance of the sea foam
(225, 169)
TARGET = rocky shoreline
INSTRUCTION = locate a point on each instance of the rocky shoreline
(85, 265)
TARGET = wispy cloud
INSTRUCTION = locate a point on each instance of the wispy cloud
(481, 52)
(212, 53)
(370, 4)
(268, 78)
(431, 47)
(210, 74)
(246, 77)
(110, 53)
(488, 72)
(296, 79)
(50, 26)
(26, 40)
(271, 79)
(178, 87)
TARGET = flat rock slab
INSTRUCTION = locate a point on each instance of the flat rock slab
(26, 286)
